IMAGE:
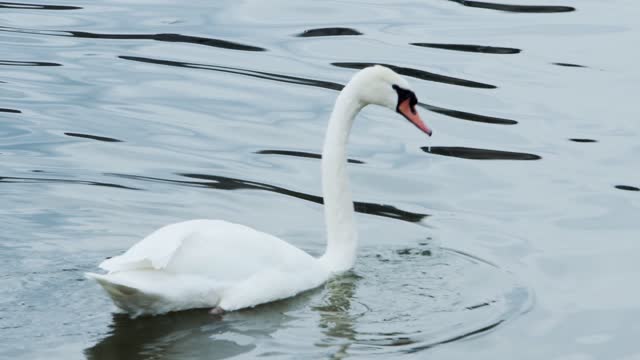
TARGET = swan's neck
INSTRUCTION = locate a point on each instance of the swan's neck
(342, 238)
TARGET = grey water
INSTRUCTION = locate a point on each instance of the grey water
(513, 232)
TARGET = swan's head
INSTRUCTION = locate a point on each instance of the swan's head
(380, 85)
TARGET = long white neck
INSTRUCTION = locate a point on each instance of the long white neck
(342, 237)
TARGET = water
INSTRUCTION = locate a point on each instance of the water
(513, 230)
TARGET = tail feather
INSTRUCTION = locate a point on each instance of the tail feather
(134, 301)
(153, 294)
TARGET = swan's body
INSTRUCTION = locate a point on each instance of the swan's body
(207, 263)
(226, 266)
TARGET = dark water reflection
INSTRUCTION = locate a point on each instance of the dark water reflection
(172, 38)
(27, 63)
(239, 71)
(13, 111)
(319, 83)
(515, 8)
(226, 183)
(627, 188)
(569, 65)
(40, 180)
(92, 137)
(419, 74)
(478, 154)
(483, 49)
(301, 154)
(27, 6)
(177, 38)
(463, 115)
(331, 31)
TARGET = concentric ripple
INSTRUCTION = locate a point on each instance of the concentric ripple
(400, 300)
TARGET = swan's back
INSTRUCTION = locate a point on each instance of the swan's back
(216, 248)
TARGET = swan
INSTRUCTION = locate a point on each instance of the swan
(225, 266)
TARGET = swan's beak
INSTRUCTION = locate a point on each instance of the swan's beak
(411, 114)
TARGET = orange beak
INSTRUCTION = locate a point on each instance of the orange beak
(411, 114)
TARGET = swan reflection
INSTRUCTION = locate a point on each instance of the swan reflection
(198, 334)
(194, 333)
(336, 315)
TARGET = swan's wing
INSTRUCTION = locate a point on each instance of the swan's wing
(214, 248)
(155, 250)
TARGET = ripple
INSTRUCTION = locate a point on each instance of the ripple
(461, 296)
(462, 115)
(582, 140)
(12, 5)
(227, 183)
(515, 8)
(27, 63)
(170, 38)
(300, 154)
(471, 48)
(13, 111)
(93, 137)
(478, 154)
(240, 71)
(312, 82)
(568, 65)
(443, 286)
(627, 188)
(317, 83)
(456, 338)
(29, 180)
(164, 37)
(418, 74)
(330, 31)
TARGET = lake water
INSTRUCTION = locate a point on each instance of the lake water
(513, 232)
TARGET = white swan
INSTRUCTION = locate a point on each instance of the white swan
(225, 266)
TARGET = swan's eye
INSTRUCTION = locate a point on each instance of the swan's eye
(407, 102)
(404, 94)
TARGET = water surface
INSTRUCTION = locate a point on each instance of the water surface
(513, 229)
